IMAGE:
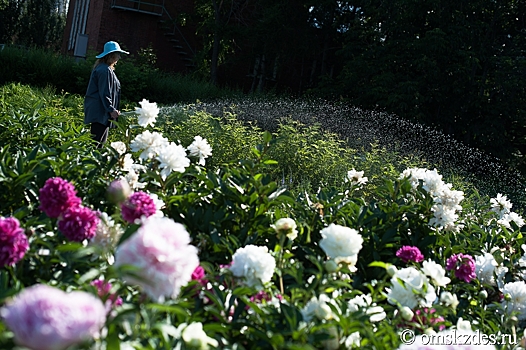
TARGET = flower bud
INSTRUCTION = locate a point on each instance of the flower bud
(429, 331)
(513, 320)
(464, 325)
(333, 343)
(118, 191)
(406, 313)
(323, 312)
(29, 231)
(331, 266)
(391, 270)
(449, 299)
(286, 226)
(483, 294)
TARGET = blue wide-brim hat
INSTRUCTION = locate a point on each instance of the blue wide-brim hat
(109, 47)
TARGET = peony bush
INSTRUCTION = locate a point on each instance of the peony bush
(144, 245)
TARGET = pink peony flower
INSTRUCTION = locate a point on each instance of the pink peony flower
(46, 318)
(56, 196)
(464, 266)
(104, 292)
(139, 204)
(78, 223)
(161, 255)
(13, 242)
(409, 253)
(199, 275)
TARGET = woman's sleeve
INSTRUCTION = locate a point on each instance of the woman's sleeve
(106, 82)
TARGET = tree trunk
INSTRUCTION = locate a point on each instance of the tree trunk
(216, 44)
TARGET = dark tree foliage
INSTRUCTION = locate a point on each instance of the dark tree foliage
(32, 23)
(456, 64)
(265, 44)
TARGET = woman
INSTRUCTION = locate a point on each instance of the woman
(101, 103)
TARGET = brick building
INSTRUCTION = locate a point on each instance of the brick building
(135, 25)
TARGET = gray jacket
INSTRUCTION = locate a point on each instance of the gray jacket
(102, 96)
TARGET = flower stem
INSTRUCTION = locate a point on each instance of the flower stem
(280, 262)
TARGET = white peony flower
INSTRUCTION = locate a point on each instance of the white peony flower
(127, 163)
(414, 175)
(200, 148)
(353, 341)
(341, 244)
(486, 267)
(449, 299)
(507, 218)
(410, 287)
(161, 255)
(515, 298)
(172, 158)
(432, 182)
(356, 177)
(133, 180)
(447, 201)
(364, 303)
(195, 337)
(450, 198)
(107, 235)
(255, 264)
(147, 114)
(361, 301)
(500, 204)
(318, 308)
(149, 143)
(436, 272)
(287, 226)
(443, 217)
(119, 146)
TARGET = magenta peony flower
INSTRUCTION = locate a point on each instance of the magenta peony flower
(199, 275)
(78, 223)
(137, 205)
(56, 196)
(13, 242)
(162, 256)
(46, 318)
(104, 292)
(464, 266)
(409, 253)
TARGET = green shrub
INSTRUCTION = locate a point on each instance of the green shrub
(41, 68)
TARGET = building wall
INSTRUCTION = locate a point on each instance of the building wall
(136, 30)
